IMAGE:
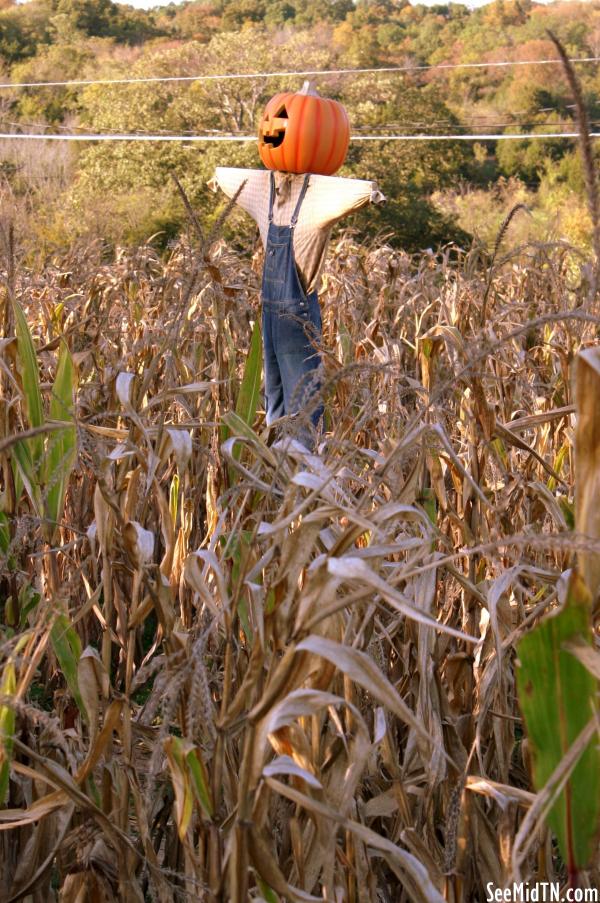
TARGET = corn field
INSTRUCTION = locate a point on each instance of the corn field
(232, 669)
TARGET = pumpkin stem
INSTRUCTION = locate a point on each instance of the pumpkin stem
(309, 88)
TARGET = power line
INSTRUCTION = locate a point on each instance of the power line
(308, 72)
(509, 137)
(22, 124)
(469, 126)
(246, 138)
(414, 125)
(475, 121)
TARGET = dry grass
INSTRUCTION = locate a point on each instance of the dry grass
(302, 678)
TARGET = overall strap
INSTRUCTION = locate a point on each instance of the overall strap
(271, 197)
(303, 190)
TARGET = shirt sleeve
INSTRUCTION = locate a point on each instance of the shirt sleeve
(252, 194)
(333, 198)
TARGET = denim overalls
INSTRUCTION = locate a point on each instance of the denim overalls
(291, 318)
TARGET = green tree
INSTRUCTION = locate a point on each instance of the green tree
(23, 29)
(529, 160)
(54, 62)
(408, 172)
(102, 18)
(108, 173)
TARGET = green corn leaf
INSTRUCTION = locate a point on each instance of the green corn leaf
(247, 400)
(176, 750)
(67, 648)
(62, 444)
(8, 687)
(29, 599)
(94, 792)
(237, 546)
(25, 469)
(429, 502)
(236, 426)
(31, 380)
(558, 462)
(200, 783)
(18, 480)
(267, 892)
(4, 533)
(557, 696)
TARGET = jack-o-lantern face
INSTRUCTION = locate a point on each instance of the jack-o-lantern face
(304, 132)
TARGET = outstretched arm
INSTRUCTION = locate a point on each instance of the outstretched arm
(251, 197)
(332, 198)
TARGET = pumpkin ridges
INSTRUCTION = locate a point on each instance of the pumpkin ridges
(311, 137)
(345, 140)
(333, 109)
(289, 132)
(329, 142)
(318, 125)
(301, 143)
(316, 138)
(339, 147)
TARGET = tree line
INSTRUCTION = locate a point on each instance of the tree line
(438, 191)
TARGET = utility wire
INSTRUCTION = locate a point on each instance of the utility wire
(246, 138)
(309, 72)
(482, 137)
(476, 121)
(469, 126)
(414, 126)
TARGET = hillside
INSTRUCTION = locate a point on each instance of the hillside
(438, 191)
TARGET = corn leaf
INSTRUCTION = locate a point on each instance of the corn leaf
(268, 893)
(184, 797)
(4, 533)
(29, 599)
(8, 688)
(31, 381)
(238, 546)
(62, 443)
(362, 670)
(200, 782)
(557, 695)
(25, 469)
(18, 479)
(247, 400)
(67, 648)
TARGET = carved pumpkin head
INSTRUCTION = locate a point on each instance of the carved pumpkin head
(304, 132)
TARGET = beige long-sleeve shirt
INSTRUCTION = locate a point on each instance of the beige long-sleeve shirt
(327, 200)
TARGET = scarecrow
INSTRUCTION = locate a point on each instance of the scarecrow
(303, 140)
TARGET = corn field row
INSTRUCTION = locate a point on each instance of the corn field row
(233, 670)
